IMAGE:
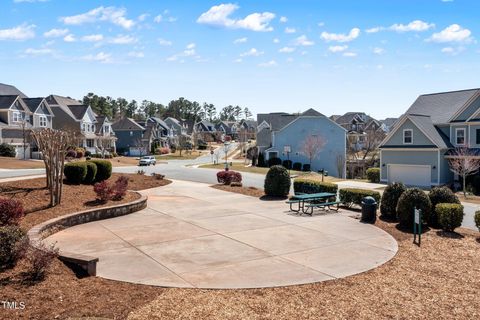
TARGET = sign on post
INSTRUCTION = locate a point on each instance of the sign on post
(417, 226)
(287, 149)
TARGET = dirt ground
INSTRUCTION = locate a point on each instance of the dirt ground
(12, 163)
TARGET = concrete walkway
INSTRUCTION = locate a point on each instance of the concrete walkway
(192, 235)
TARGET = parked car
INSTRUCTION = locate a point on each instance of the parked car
(147, 160)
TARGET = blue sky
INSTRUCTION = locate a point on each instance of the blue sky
(277, 55)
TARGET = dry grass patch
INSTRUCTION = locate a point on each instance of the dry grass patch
(12, 163)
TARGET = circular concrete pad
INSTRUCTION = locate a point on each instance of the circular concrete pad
(192, 235)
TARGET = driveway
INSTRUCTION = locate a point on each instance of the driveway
(192, 235)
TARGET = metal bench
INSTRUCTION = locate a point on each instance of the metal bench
(292, 201)
(323, 206)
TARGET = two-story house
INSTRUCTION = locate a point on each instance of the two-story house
(178, 127)
(205, 130)
(95, 133)
(417, 149)
(135, 138)
(248, 128)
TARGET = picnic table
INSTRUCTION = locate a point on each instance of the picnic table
(308, 201)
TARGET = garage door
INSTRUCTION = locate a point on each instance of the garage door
(412, 175)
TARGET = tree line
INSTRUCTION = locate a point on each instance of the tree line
(180, 108)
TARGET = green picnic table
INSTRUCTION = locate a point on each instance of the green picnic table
(308, 201)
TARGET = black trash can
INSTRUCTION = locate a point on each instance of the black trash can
(369, 210)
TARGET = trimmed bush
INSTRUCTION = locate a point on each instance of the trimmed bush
(120, 187)
(39, 259)
(11, 212)
(88, 154)
(373, 175)
(306, 167)
(440, 195)
(103, 191)
(104, 170)
(391, 194)
(274, 162)
(287, 164)
(91, 173)
(71, 154)
(7, 150)
(80, 152)
(477, 219)
(277, 182)
(228, 176)
(312, 186)
(409, 200)
(261, 160)
(450, 215)
(297, 166)
(351, 196)
(75, 172)
(475, 185)
(11, 238)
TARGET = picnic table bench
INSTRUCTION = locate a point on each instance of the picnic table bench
(307, 202)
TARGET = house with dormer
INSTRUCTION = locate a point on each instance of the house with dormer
(417, 149)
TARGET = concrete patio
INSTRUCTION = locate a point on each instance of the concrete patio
(192, 235)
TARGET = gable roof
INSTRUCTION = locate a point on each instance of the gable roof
(311, 113)
(78, 110)
(171, 119)
(127, 124)
(441, 107)
(276, 120)
(64, 103)
(7, 101)
(350, 116)
(159, 121)
(9, 90)
(33, 103)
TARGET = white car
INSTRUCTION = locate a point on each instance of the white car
(147, 160)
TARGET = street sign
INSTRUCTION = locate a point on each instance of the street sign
(417, 216)
(287, 149)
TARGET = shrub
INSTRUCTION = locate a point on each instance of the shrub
(119, 189)
(11, 212)
(477, 219)
(91, 173)
(287, 164)
(306, 167)
(11, 238)
(409, 200)
(7, 150)
(274, 162)
(297, 166)
(391, 194)
(39, 259)
(114, 154)
(103, 191)
(104, 170)
(71, 154)
(228, 176)
(236, 184)
(312, 186)
(80, 152)
(164, 150)
(75, 172)
(350, 196)
(88, 154)
(261, 160)
(373, 175)
(450, 215)
(277, 182)
(440, 195)
(475, 185)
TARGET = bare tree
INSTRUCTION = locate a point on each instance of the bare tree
(373, 139)
(340, 162)
(311, 147)
(463, 163)
(104, 143)
(53, 145)
(182, 143)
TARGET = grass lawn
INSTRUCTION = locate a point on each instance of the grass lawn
(12, 163)
(186, 155)
(239, 166)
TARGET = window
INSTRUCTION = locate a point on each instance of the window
(460, 136)
(16, 116)
(106, 129)
(90, 143)
(43, 121)
(478, 136)
(407, 136)
(131, 133)
(83, 127)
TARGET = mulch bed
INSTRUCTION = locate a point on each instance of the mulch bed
(248, 191)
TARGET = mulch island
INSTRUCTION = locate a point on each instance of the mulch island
(248, 191)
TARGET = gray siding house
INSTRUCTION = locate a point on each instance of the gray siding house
(279, 132)
(415, 152)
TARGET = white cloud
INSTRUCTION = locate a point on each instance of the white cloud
(158, 18)
(56, 33)
(340, 37)
(92, 38)
(188, 52)
(123, 39)
(38, 52)
(143, 17)
(321, 24)
(191, 46)
(240, 40)
(416, 25)
(164, 42)
(337, 48)
(111, 14)
(303, 41)
(136, 54)
(220, 16)
(374, 29)
(290, 30)
(276, 40)
(239, 60)
(286, 50)
(271, 63)
(283, 19)
(164, 17)
(349, 54)
(19, 33)
(252, 53)
(101, 57)
(69, 38)
(378, 50)
(453, 51)
(452, 33)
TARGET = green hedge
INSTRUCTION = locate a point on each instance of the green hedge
(373, 175)
(391, 194)
(10, 250)
(477, 219)
(312, 186)
(7, 150)
(277, 181)
(350, 196)
(104, 170)
(409, 200)
(75, 172)
(440, 195)
(91, 173)
(450, 215)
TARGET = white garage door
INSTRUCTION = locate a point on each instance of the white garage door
(412, 175)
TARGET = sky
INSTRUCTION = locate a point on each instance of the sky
(276, 55)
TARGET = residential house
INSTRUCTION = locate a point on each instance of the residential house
(228, 128)
(95, 132)
(206, 131)
(249, 128)
(161, 134)
(358, 126)
(283, 135)
(389, 123)
(417, 150)
(178, 127)
(133, 139)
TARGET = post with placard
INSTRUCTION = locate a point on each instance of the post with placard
(417, 226)
(286, 151)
